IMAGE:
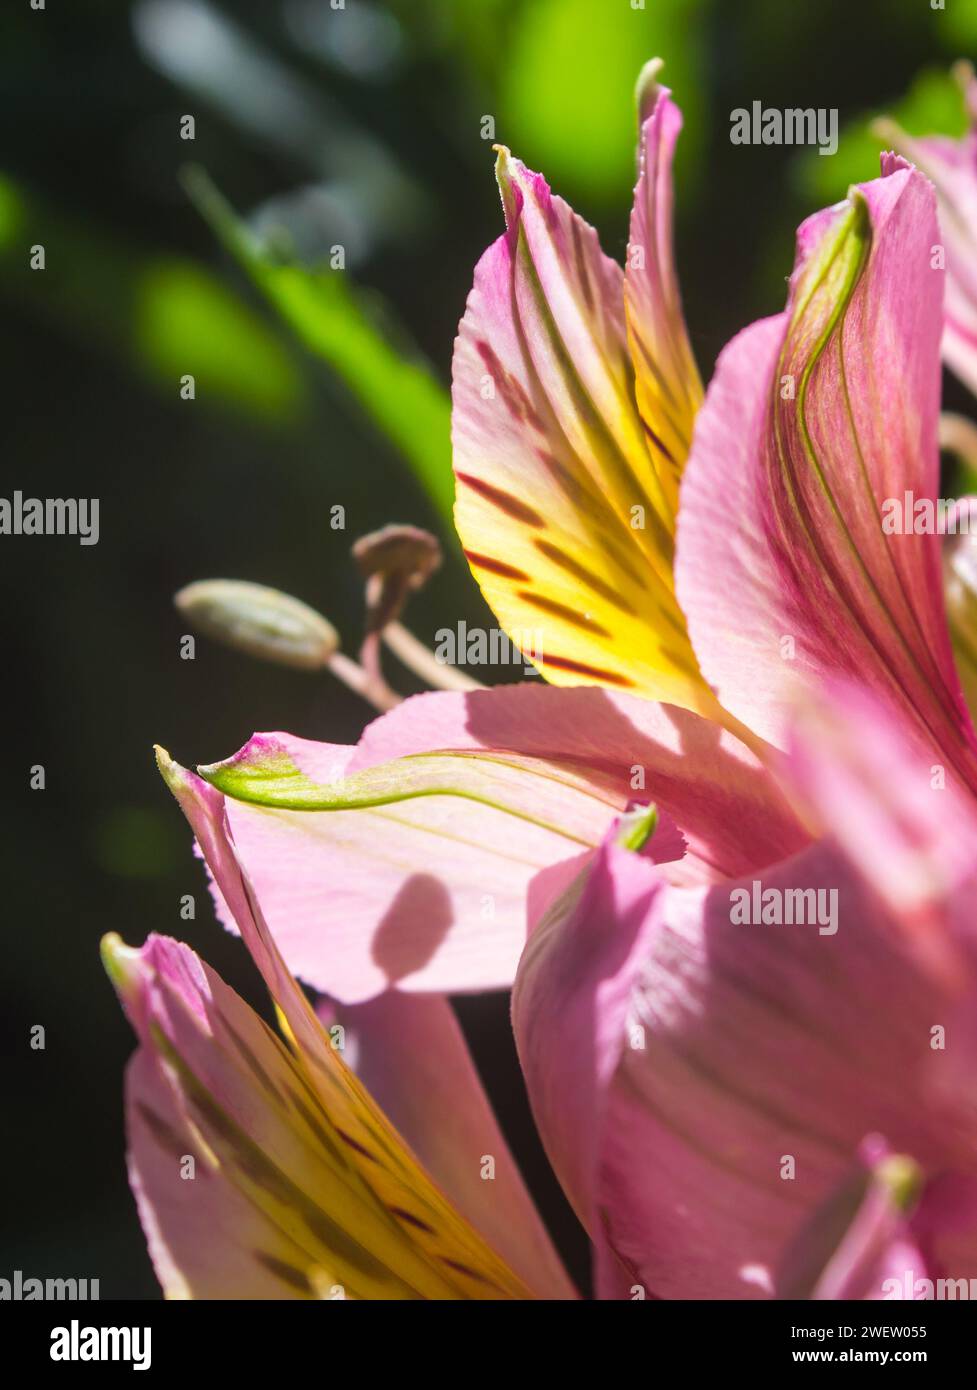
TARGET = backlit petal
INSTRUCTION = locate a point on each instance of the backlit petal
(669, 391)
(427, 1238)
(818, 434)
(952, 167)
(563, 506)
(474, 810)
(410, 1053)
(702, 1084)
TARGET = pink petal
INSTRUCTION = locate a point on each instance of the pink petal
(676, 1059)
(570, 1004)
(905, 823)
(784, 570)
(960, 591)
(669, 391)
(283, 1213)
(858, 1244)
(387, 1202)
(952, 167)
(246, 1255)
(438, 892)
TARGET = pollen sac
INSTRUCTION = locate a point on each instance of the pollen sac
(260, 621)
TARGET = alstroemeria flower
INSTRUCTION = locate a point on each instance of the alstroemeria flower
(575, 406)
(734, 1110)
(952, 167)
(267, 1171)
(658, 1035)
(707, 1087)
(420, 859)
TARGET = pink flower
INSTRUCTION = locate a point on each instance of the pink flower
(952, 167)
(706, 1087)
(264, 1170)
(787, 579)
(735, 1107)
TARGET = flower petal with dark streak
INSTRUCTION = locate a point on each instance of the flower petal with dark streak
(816, 423)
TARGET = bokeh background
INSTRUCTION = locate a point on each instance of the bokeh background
(361, 127)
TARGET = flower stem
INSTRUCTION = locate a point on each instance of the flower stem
(419, 659)
(370, 687)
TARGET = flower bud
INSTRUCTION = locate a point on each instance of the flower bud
(260, 621)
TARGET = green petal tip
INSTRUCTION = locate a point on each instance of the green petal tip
(121, 963)
(647, 87)
(636, 827)
(902, 1177)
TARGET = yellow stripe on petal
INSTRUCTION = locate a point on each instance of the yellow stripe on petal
(565, 503)
(367, 1187)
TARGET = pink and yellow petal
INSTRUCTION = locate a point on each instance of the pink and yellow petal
(668, 388)
(223, 1139)
(429, 1235)
(560, 505)
(410, 1053)
(246, 1254)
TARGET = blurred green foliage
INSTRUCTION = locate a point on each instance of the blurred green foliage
(186, 320)
(567, 80)
(137, 842)
(402, 396)
(961, 26)
(932, 105)
(556, 76)
(166, 315)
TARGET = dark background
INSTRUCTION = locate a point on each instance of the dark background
(239, 482)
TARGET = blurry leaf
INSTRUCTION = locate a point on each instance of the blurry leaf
(167, 314)
(567, 86)
(402, 397)
(933, 105)
(186, 321)
(477, 30)
(221, 61)
(958, 28)
(11, 214)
